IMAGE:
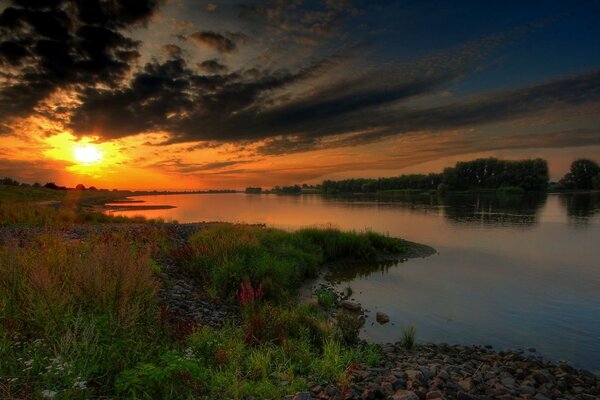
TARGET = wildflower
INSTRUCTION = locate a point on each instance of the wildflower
(79, 384)
(188, 353)
(48, 394)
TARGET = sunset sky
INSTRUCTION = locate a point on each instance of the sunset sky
(190, 94)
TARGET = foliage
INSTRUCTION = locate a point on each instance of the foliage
(510, 191)
(227, 255)
(73, 315)
(596, 182)
(484, 173)
(408, 337)
(218, 363)
(583, 175)
(326, 298)
(348, 325)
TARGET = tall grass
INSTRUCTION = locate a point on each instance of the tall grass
(226, 255)
(73, 315)
(30, 214)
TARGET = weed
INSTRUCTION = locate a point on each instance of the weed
(408, 337)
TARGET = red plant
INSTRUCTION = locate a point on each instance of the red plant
(248, 294)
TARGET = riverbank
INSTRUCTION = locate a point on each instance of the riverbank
(187, 328)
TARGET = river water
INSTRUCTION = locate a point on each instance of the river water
(510, 271)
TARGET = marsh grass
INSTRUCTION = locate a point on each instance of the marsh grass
(226, 255)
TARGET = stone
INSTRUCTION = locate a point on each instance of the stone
(350, 305)
(414, 375)
(302, 396)
(464, 396)
(525, 389)
(435, 395)
(405, 395)
(466, 384)
(382, 317)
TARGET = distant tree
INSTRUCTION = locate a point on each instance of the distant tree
(79, 187)
(23, 184)
(583, 171)
(36, 185)
(9, 182)
(92, 188)
(51, 185)
(596, 182)
(254, 190)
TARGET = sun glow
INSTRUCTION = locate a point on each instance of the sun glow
(87, 154)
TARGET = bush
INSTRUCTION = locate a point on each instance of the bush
(326, 298)
(510, 191)
(349, 325)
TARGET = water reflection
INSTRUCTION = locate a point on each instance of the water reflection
(349, 272)
(581, 207)
(475, 209)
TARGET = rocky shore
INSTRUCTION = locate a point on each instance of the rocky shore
(441, 371)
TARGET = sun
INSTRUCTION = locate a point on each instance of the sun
(87, 154)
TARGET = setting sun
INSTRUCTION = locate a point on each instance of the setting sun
(87, 154)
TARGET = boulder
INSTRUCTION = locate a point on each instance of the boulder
(382, 317)
(350, 305)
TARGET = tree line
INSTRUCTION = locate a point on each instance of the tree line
(483, 173)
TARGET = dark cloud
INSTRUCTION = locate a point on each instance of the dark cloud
(171, 97)
(223, 43)
(48, 45)
(212, 66)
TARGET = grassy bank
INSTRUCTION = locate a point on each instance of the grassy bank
(84, 317)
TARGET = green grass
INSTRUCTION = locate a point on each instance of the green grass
(226, 255)
(220, 363)
(83, 318)
(326, 298)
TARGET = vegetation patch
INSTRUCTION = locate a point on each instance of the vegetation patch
(227, 255)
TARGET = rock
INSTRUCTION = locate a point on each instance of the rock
(382, 317)
(435, 395)
(528, 390)
(466, 384)
(302, 396)
(350, 305)
(405, 395)
(465, 396)
(414, 375)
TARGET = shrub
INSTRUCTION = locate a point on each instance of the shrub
(348, 325)
(326, 298)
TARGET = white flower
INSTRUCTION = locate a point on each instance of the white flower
(81, 385)
(188, 353)
(48, 394)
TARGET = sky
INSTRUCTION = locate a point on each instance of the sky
(191, 94)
